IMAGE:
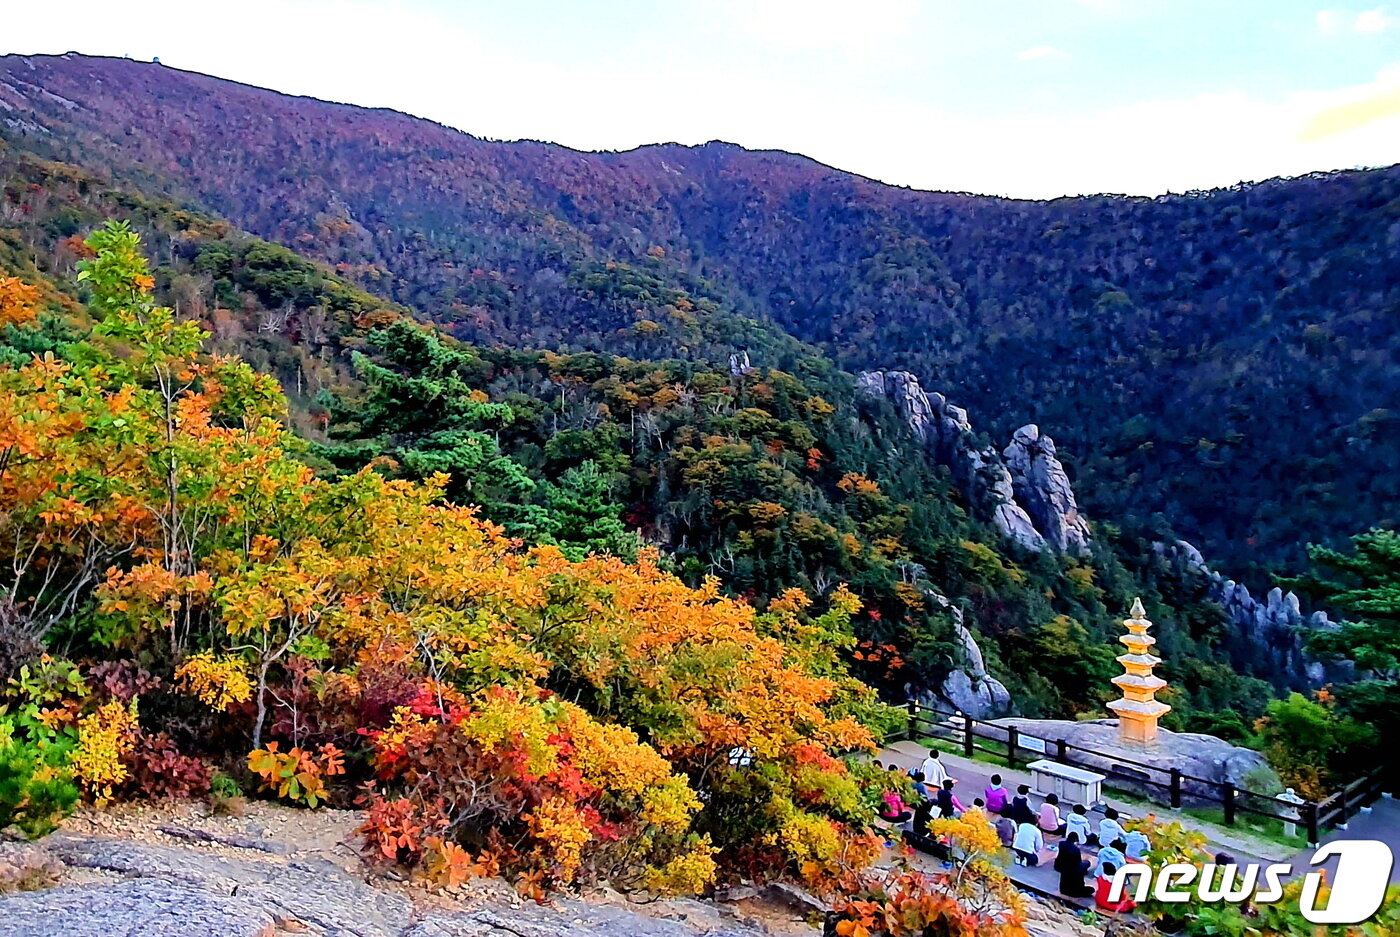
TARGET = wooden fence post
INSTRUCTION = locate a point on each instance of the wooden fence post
(913, 708)
(1011, 738)
(1176, 788)
(1060, 752)
(969, 740)
(1310, 821)
(1228, 790)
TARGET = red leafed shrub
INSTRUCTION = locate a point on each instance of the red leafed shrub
(156, 768)
(122, 679)
(395, 830)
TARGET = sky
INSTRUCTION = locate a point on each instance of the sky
(1027, 98)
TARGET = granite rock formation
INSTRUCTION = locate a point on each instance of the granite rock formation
(1274, 629)
(155, 890)
(1040, 483)
(1024, 491)
(1205, 761)
(968, 687)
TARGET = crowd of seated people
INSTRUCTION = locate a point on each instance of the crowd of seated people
(1080, 847)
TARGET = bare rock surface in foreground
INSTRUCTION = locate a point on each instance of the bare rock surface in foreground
(188, 885)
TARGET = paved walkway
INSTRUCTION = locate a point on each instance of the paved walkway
(1381, 821)
(973, 776)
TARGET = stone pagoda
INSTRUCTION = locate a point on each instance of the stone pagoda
(1138, 711)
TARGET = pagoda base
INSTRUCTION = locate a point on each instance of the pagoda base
(1097, 745)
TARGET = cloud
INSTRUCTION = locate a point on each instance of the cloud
(1367, 22)
(1356, 108)
(1041, 52)
(1372, 21)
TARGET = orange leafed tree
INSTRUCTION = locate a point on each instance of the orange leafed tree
(556, 718)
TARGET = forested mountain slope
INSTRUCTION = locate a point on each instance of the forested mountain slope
(1175, 346)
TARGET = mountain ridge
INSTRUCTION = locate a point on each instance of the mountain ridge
(1263, 306)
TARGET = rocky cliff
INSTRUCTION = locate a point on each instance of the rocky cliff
(1275, 629)
(968, 688)
(1024, 490)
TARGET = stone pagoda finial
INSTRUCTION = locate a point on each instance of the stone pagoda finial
(1138, 711)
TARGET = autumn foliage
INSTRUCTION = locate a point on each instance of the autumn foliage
(495, 707)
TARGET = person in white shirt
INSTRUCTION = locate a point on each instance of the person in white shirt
(1078, 822)
(1028, 843)
(1109, 828)
(1138, 844)
(934, 772)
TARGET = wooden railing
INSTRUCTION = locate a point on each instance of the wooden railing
(1016, 747)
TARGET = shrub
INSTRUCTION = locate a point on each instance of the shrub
(36, 785)
(156, 768)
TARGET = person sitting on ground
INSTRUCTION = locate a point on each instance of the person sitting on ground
(918, 834)
(1072, 866)
(1006, 830)
(1078, 822)
(1109, 827)
(934, 772)
(997, 797)
(1049, 819)
(920, 788)
(1021, 810)
(948, 804)
(1138, 845)
(1103, 885)
(979, 804)
(1028, 844)
(1112, 854)
(893, 809)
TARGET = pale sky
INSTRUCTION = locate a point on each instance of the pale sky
(1032, 98)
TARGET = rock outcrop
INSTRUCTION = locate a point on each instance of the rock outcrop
(1025, 491)
(125, 886)
(1272, 632)
(1040, 483)
(968, 688)
(1205, 760)
(998, 494)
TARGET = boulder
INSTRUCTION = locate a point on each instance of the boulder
(173, 891)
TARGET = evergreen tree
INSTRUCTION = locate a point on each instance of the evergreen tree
(582, 518)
